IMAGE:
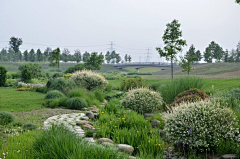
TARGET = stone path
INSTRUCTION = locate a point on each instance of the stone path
(69, 120)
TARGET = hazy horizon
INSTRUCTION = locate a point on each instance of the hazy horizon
(132, 25)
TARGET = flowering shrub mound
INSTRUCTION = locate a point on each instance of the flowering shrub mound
(189, 96)
(142, 100)
(89, 80)
(201, 124)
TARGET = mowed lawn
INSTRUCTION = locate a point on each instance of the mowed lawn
(12, 100)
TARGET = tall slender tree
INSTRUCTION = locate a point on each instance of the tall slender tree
(32, 55)
(77, 56)
(39, 55)
(126, 57)
(65, 55)
(172, 42)
(86, 56)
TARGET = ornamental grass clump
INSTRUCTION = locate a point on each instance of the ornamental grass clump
(54, 94)
(143, 100)
(6, 118)
(76, 103)
(201, 125)
(89, 80)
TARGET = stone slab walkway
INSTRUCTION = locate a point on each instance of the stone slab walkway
(69, 120)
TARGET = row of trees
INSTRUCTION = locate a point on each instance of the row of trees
(13, 54)
(113, 57)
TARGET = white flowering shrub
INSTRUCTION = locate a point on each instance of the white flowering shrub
(31, 85)
(201, 125)
(89, 80)
(142, 100)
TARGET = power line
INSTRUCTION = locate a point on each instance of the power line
(148, 55)
(111, 48)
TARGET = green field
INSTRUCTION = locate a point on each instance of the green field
(143, 70)
(12, 100)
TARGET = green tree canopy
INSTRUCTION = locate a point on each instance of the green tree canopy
(32, 55)
(94, 62)
(15, 43)
(55, 58)
(86, 56)
(35, 69)
(172, 42)
(65, 55)
(3, 75)
(77, 56)
(186, 62)
(213, 51)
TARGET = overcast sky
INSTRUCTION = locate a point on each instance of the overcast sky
(132, 25)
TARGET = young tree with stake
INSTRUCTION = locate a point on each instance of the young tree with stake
(172, 42)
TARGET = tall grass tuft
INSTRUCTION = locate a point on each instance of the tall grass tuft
(6, 117)
(171, 88)
(76, 103)
(58, 142)
(54, 94)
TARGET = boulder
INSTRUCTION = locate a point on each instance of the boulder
(84, 118)
(83, 122)
(161, 132)
(229, 156)
(94, 110)
(125, 148)
(96, 115)
(155, 123)
(178, 146)
(101, 140)
(88, 127)
(84, 109)
(170, 149)
(90, 114)
(107, 144)
(148, 115)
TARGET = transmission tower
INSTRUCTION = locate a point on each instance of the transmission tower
(111, 47)
(148, 55)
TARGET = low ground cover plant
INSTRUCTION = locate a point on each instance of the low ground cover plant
(201, 125)
(143, 100)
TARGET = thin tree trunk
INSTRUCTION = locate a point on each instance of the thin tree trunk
(172, 67)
